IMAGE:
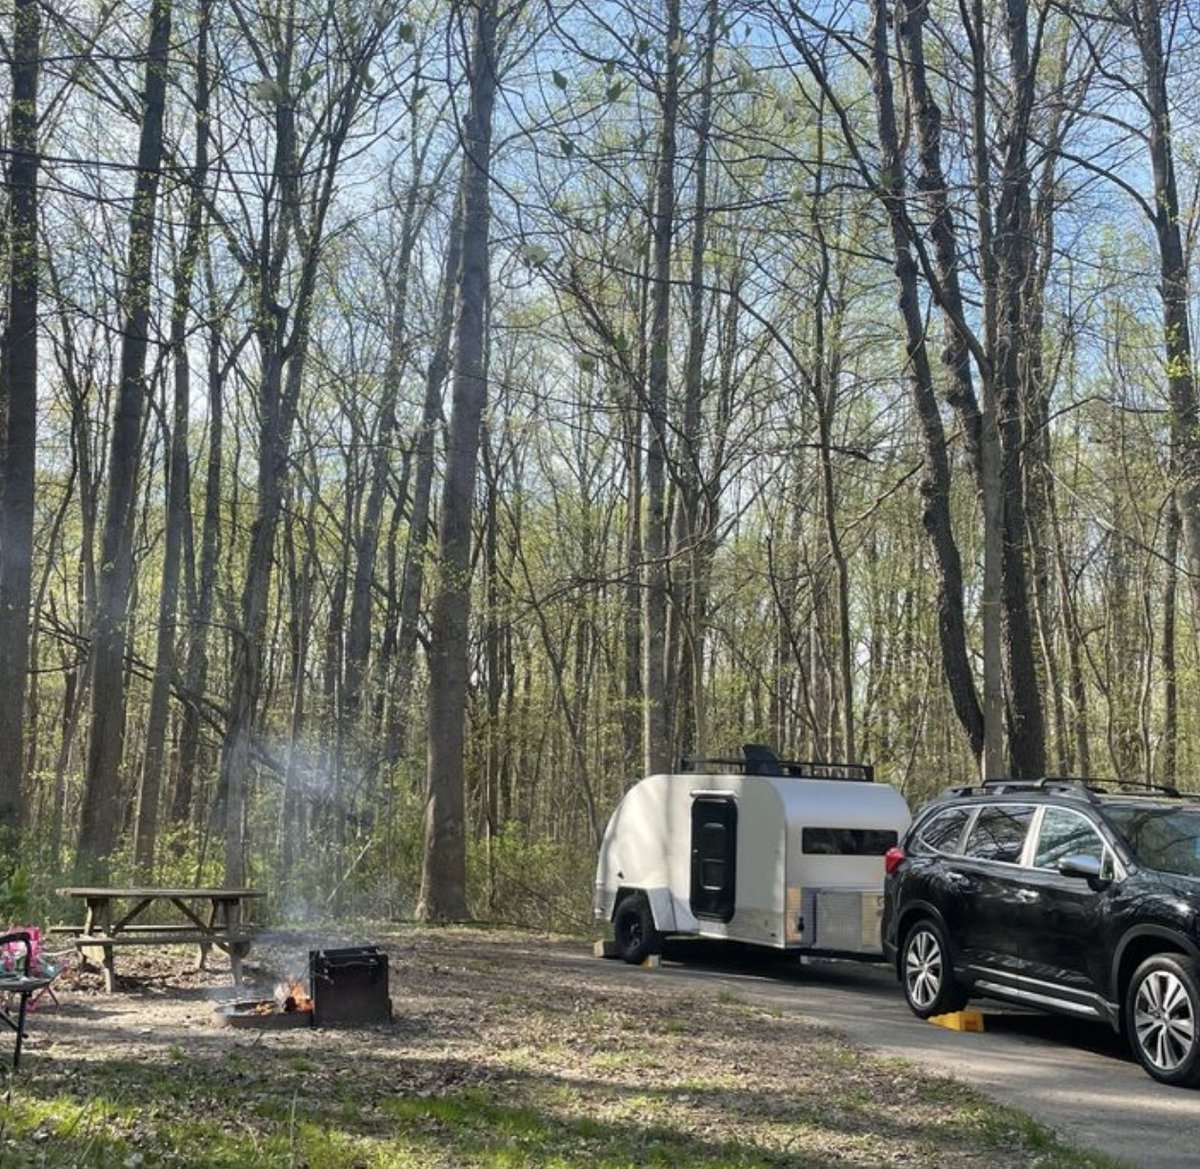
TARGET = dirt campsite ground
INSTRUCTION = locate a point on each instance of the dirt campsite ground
(505, 1049)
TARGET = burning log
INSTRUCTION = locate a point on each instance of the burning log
(291, 995)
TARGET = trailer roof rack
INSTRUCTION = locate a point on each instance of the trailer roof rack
(759, 760)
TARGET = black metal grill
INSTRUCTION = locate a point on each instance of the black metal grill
(349, 986)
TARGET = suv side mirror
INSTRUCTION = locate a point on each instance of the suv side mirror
(1086, 867)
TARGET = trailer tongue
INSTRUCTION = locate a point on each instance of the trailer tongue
(780, 853)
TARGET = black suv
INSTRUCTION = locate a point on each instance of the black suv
(1056, 894)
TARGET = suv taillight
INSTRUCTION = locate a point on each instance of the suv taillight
(892, 859)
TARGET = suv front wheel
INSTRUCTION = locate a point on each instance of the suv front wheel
(925, 970)
(1162, 1018)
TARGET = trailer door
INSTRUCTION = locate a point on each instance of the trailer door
(714, 856)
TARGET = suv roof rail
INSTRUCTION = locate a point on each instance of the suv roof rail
(1145, 787)
(1002, 785)
(1087, 786)
(759, 760)
(1055, 783)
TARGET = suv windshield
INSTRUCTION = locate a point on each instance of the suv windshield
(1167, 839)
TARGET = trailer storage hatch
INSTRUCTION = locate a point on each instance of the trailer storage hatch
(841, 921)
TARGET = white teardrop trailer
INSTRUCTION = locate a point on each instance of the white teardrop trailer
(760, 850)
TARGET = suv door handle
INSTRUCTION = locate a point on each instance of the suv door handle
(1026, 895)
(957, 878)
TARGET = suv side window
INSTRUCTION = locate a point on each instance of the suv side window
(999, 833)
(1066, 833)
(941, 832)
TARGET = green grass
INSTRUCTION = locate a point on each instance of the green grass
(279, 1123)
(552, 1077)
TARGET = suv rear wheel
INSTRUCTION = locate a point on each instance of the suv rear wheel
(1162, 1018)
(925, 970)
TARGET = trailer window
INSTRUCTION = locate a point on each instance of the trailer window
(847, 841)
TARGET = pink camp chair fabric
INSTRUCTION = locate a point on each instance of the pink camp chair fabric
(12, 960)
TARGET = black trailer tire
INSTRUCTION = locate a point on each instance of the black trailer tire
(927, 972)
(633, 929)
(1162, 1019)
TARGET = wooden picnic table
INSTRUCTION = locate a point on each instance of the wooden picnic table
(204, 917)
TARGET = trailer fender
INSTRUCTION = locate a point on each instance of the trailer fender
(662, 905)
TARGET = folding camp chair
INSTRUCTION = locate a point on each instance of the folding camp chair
(36, 963)
(17, 984)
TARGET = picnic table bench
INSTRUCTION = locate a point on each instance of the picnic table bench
(20, 985)
(203, 917)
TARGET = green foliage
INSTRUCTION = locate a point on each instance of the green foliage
(537, 883)
(15, 900)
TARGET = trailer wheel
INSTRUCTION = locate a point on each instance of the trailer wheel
(633, 929)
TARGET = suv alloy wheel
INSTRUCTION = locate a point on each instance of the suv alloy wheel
(929, 983)
(1162, 1018)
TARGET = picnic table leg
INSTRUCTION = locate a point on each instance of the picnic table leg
(110, 972)
(203, 947)
(224, 916)
(98, 921)
(237, 951)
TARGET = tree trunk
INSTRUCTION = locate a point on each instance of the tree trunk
(1170, 730)
(282, 357)
(656, 739)
(980, 427)
(178, 481)
(632, 684)
(1014, 264)
(201, 604)
(103, 798)
(1174, 288)
(443, 894)
(18, 387)
(358, 633)
(935, 483)
(412, 580)
(692, 538)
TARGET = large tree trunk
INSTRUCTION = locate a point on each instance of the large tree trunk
(632, 688)
(691, 537)
(1170, 700)
(18, 389)
(282, 357)
(979, 425)
(358, 632)
(656, 739)
(1014, 264)
(1174, 288)
(205, 574)
(103, 797)
(935, 484)
(178, 480)
(412, 580)
(443, 894)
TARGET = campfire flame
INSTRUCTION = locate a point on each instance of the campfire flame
(290, 995)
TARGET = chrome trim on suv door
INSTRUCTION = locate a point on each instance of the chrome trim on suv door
(1044, 1000)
